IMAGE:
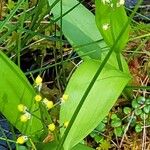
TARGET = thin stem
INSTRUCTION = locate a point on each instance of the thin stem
(119, 61)
(138, 87)
(61, 48)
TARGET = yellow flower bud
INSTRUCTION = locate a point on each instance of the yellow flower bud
(38, 80)
(38, 98)
(22, 108)
(22, 139)
(25, 117)
(48, 104)
(64, 97)
(51, 127)
(66, 124)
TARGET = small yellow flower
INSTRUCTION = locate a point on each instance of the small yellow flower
(38, 80)
(66, 124)
(64, 98)
(47, 103)
(38, 98)
(22, 108)
(51, 127)
(22, 139)
(25, 117)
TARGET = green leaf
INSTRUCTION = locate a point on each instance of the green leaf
(127, 110)
(146, 109)
(114, 116)
(10, 4)
(101, 127)
(116, 122)
(15, 89)
(98, 138)
(147, 101)
(135, 104)
(20, 147)
(138, 111)
(81, 147)
(53, 145)
(101, 98)
(79, 29)
(110, 20)
(141, 100)
(144, 116)
(118, 131)
(47, 146)
(138, 128)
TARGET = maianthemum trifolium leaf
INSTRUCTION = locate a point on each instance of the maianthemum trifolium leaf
(111, 19)
(98, 103)
(14, 90)
(80, 29)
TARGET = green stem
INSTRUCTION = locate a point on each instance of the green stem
(138, 87)
(61, 38)
(118, 56)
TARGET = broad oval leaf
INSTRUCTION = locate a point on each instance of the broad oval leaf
(14, 90)
(80, 30)
(111, 19)
(100, 100)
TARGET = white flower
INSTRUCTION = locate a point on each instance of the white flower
(105, 26)
(105, 1)
(120, 3)
(111, 5)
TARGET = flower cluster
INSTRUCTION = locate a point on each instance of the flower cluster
(25, 114)
(48, 104)
(118, 4)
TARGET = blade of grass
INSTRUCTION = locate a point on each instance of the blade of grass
(138, 87)
(11, 14)
(21, 20)
(6, 139)
(36, 22)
